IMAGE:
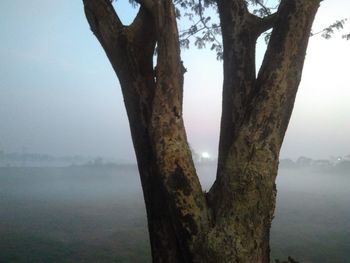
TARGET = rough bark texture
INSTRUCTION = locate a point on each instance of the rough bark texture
(232, 222)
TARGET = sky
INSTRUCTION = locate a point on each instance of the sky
(59, 94)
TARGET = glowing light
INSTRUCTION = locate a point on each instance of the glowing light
(205, 155)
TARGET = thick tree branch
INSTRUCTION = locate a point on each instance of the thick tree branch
(101, 15)
(276, 86)
(118, 39)
(239, 33)
(243, 195)
(187, 205)
(148, 4)
(266, 23)
(273, 98)
(173, 195)
(297, 16)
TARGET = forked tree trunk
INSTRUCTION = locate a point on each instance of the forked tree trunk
(232, 222)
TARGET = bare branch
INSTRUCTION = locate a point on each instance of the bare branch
(264, 8)
(329, 31)
(204, 22)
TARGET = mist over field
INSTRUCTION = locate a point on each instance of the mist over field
(59, 95)
(95, 213)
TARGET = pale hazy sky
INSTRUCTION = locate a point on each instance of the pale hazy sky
(59, 94)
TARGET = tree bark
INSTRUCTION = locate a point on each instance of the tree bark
(232, 222)
(243, 194)
(175, 205)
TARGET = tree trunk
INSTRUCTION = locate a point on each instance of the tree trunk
(232, 222)
(244, 193)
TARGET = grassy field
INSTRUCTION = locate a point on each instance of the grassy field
(96, 214)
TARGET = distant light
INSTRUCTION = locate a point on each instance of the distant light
(205, 155)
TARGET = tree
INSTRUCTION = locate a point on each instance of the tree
(230, 223)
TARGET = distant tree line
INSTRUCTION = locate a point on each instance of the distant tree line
(333, 164)
(25, 158)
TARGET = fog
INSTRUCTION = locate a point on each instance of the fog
(96, 214)
(60, 96)
(60, 102)
(76, 214)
